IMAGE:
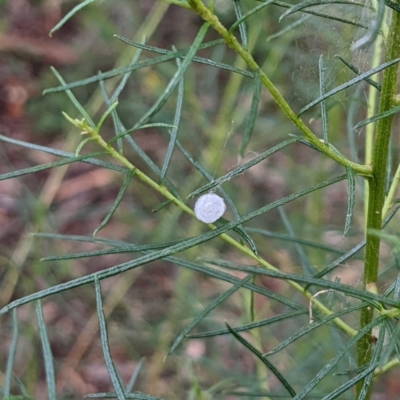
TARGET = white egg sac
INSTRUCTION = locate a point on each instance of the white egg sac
(209, 208)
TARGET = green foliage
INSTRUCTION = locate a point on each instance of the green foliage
(292, 316)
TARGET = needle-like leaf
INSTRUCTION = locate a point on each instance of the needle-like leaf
(264, 360)
(8, 375)
(349, 84)
(215, 303)
(242, 25)
(312, 3)
(252, 114)
(351, 196)
(47, 354)
(181, 246)
(70, 14)
(376, 85)
(324, 111)
(119, 390)
(242, 168)
(174, 131)
(124, 187)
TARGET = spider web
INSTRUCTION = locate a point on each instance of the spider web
(316, 36)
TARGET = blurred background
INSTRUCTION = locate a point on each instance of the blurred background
(147, 308)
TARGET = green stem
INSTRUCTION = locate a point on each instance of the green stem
(233, 43)
(87, 130)
(371, 110)
(377, 185)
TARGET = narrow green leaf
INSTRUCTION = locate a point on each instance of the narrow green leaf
(176, 78)
(215, 303)
(110, 74)
(377, 117)
(373, 31)
(82, 145)
(149, 162)
(118, 127)
(74, 100)
(348, 84)
(183, 245)
(124, 187)
(364, 393)
(118, 90)
(324, 112)
(393, 343)
(192, 266)
(238, 229)
(119, 390)
(70, 14)
(168, 184)
(116, 122)
(312, 3)
(159, 50)
(251, 394)
(79, 238)
(137, 395)
(167, 56)
(146, 126)
(183, 53)
(244, 17)
(373, 299)
(242, 25)
(121, 246)
(341, 260)
(350, 383)
(392, 286)
(43, 167)
(322, 15)
(350, 253)
(327, 368)
(161, 206)
(109, 110)
(247, 239)
(351, 199)
(228, 200)
(174, 131)
(214, 273)
(47, 354)
(252, 325)
(242, 168)
(241, 232)
(65, 154)
(135, 375)
(94, 253)
(396, 289)
(252, 114)
(392, 5)
(306, 143)
(8, 375)
(276, 204)
(289, 238)
(288, 28)
(269, 365)
(307, 268)
(167, 93)
(116, 250)
(310, 327)
(389, 166)
(351, 371)
(376, 85)
(353, 109)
